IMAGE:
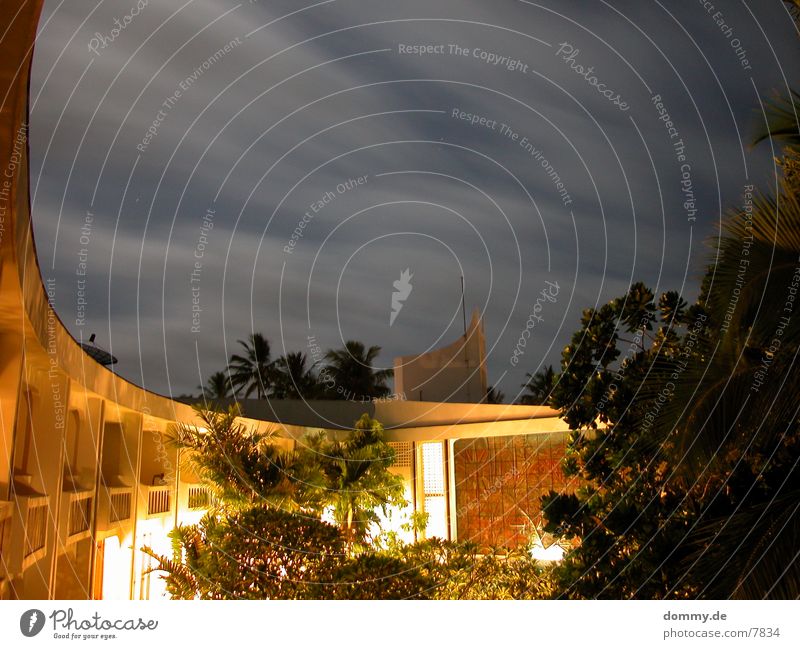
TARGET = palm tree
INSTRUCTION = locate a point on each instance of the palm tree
(733, 418)
(538, 387)
(782, 120)
(244, 466)
(357, 476)
(292, 378)
(351, 374)
(218, 386)
(493, 395)
(252, 372)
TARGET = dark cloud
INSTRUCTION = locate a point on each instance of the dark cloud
(322, 95)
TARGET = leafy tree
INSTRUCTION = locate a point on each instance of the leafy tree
(357, 477)
(685, 436)
(255, 553)
(264, 538)
(244, 466)
(293, 378)
(627, 514)
(538, 387)
(351, 374)
(252, 372)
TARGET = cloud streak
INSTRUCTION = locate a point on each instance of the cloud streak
(321, 95)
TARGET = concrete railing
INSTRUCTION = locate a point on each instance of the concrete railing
(159, 500)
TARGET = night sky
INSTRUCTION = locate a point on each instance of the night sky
(174, 159)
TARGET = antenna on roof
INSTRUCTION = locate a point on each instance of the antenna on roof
(463, 307)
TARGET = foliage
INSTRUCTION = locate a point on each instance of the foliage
(256, 553)
(455, 570)
(265, 539)
(357, 480)
(494, 395)
(376, 576)
(218, 386)
(349, 374)
(264, 553)
(685, 435)
(252, 372)
(538, 387)
(245, 466)
(782, 119)
(292, 378)
(627, 515)
(349, 477)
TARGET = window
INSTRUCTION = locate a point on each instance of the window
(434, 500)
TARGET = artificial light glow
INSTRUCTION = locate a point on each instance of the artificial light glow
(554, 553)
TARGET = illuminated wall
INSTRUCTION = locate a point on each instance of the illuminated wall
(499, 482)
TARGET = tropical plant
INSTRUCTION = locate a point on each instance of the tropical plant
(252, 371)
(737, 425)
(538, 387)
(782, 120)
(494, 395)
(357, 477)
(218, 386)
(293, 378)
(351, 375)
(245, 466)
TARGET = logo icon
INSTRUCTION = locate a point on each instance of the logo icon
(31, 622)
(402, 291)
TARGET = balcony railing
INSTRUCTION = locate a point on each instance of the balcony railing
(159, 500)
(36, 512)
(115, 506)
(199, 497)
(120, 500)
(80, 514)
